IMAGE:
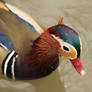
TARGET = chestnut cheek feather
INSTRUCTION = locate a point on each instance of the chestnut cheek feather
(78, 66)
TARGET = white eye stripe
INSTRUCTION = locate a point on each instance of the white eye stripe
(69, 46)
(57, 38)
(62, 43)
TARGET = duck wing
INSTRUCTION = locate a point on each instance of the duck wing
(19, 34)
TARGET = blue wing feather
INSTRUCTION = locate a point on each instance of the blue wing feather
(26, 23)
(6, 41)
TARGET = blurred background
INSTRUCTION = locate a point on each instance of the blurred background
(76, 14)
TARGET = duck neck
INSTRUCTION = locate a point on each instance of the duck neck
(43, 54)
(44, 49)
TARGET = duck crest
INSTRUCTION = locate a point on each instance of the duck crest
(61, 21)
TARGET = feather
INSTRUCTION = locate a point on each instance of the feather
(26, 23)
(29, 21)
(6, 41)
(17, 31)
(61, 21)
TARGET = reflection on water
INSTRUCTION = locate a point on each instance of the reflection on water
(51, 83)
(76, 14)
(15, 86)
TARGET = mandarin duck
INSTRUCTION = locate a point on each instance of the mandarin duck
(29, 54)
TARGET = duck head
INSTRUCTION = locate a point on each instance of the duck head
(70, 44)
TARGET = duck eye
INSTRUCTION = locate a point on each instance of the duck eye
(65, 48)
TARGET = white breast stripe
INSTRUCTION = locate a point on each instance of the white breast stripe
(12, 71)
(6, 63)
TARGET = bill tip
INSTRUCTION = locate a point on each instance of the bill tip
(82, 73)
